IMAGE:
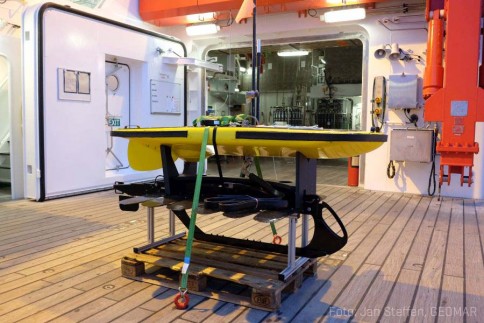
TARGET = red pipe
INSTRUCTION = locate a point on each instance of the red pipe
(434, 71)
(353, 171)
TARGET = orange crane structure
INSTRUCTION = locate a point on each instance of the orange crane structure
(453, 83)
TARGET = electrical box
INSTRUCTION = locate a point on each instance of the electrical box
(403, 91)
(415, 145)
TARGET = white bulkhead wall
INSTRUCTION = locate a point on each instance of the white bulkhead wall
(411, 177)
(74, 130)
(10, 49)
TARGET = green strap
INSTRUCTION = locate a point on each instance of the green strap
(273, 227)
(257, 166)
(193, 218)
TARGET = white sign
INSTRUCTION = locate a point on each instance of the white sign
(165, 97)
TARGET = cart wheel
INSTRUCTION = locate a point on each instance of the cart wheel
(181, 301)
(277, 239)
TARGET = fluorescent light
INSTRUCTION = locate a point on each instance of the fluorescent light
(293, 53)
(343, 15)
(202, 29)
(242, 69)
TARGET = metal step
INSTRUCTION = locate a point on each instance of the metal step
(4, 160)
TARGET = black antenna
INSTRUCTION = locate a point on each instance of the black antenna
(255, 69)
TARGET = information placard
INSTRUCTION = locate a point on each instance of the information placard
(165, 97)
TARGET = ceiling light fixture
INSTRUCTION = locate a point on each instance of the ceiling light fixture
(201, 17)
(343, 15)
(293, 53)
(202, 29)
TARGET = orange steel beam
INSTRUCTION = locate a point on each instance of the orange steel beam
(165, 12)
(459, 103)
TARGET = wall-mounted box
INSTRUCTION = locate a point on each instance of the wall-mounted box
(415, 145)
(403, 91)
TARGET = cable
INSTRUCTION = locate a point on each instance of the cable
(391, 169)
(432, 176)
(230, 21)
(254, 118)
(377, 126)
(432, 169)
(412, 118)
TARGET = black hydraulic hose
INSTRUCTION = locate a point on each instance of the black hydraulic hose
(383, 102)
(432, 169)
(432, 176)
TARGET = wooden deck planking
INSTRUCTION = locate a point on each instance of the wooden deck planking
(427, 294)
(399, 303)
(325, 268)
(454, 259)
(321, 302)
(416, 257)
(130, 302)
(77, 301)
(376, 258)
(451, 300)
(395, 241)
(374, 301)
(474, 266)
(479, 205)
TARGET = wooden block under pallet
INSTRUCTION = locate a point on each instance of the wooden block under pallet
(295, 284)
(312, 269)
(243, 278)
(131, 268)
(268, 299)
(196, 283)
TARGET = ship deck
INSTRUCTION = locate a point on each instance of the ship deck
(409, 258)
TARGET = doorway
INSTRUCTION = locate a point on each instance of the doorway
(5, 173)
(317, 83)
(117, 114)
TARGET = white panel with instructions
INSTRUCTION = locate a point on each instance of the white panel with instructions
(165, 97)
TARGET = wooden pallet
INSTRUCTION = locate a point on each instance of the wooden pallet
(241, 276)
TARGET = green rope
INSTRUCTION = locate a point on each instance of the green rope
(193, 218)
